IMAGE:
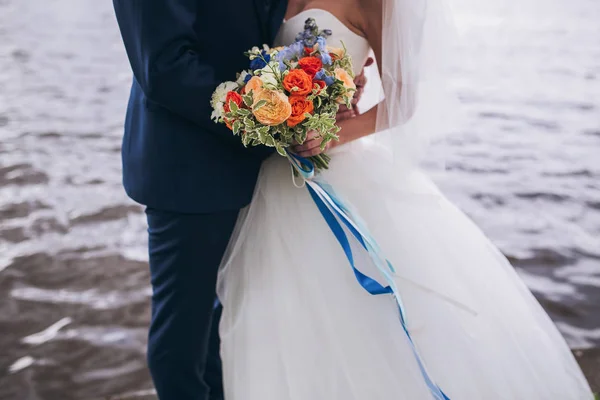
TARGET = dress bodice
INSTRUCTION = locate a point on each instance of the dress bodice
(357, 46)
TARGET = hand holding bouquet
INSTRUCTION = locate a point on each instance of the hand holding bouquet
(288, 92)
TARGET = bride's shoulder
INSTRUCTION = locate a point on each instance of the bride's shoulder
(367, 15)
(369, 12)
(370, 6)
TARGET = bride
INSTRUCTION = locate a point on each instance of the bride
(297, 325)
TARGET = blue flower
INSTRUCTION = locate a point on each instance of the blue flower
(320, 75)
(259, 63)
(283, 54)
(281, 57)
(297, 49)
(322, 43)
(310, 42)
(247, 78)
(290, 52)
(302, 36)
(326, 58)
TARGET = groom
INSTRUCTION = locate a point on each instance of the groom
(192, 175)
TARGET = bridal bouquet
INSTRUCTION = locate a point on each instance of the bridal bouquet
(287, 92)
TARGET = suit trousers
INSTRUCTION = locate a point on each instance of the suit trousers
(183, 344)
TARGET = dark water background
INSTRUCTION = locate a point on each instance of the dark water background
(74, 289)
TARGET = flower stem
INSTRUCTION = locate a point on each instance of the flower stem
(320, 161)
(277, 77)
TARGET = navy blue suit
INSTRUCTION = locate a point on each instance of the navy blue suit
(192, 174)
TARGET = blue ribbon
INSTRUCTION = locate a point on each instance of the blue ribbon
(333, 210)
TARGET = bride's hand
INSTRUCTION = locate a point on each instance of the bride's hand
(360, 81)
(312, 145)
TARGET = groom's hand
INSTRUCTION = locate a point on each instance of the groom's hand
(360, 81)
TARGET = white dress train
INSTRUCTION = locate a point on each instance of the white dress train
(296, 324)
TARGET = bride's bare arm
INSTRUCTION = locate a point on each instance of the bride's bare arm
(363, 124)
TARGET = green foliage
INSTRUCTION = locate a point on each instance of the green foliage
(345, 62)
(325, 125)
(259, 105)
(237, 125)
(248, 99)
(280, 149)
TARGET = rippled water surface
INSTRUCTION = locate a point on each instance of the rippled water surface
(74, 295)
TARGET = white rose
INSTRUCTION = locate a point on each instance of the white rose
(229, 86)
(221, 91)
(217, 113)
(268, 77)
(218, 98)
(242, 78)
(269, 81)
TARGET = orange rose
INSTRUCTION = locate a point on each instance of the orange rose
(310, 65)
(298, 82)
(232, 96)
(300, 106)
(277, 109)
(255, 84)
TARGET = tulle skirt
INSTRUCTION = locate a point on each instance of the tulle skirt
(296, 324)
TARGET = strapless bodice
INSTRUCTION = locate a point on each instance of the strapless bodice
(357, 46)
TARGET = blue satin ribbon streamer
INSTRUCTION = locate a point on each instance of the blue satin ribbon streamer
(333, 210)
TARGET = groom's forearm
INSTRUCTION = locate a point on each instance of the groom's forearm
(162, 48)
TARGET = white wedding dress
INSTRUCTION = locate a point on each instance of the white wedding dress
(297, 325)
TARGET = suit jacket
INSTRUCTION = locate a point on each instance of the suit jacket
(174, 157)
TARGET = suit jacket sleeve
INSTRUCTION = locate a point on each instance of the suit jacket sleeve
(162, 48)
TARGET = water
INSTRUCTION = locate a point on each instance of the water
(73, 280)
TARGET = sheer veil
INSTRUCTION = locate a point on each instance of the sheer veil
(417, 39)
